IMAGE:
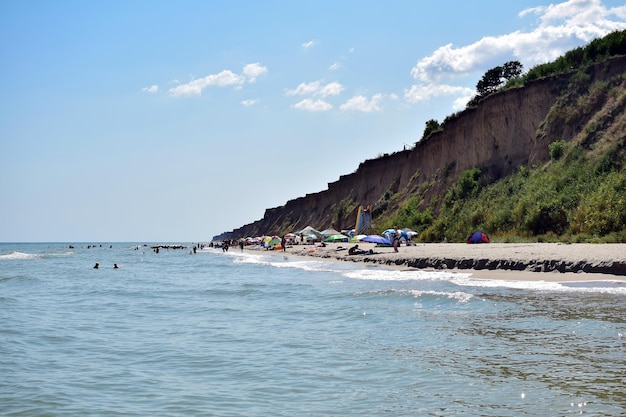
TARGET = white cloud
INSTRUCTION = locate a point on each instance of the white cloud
(460, 103)
(225, 78)
(309, 44)
(420, 93)
(335, 66)
(362, 103)
(250, 102)
(304, 89)
(331, 89)
(561, 27)
(313, 105)
(315, 88)
(252, 71)
(153, 89)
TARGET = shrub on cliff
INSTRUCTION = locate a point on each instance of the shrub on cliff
(566, 198)
(556, 149)
(598, 50)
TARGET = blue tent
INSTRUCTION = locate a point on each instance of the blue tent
(478, 236)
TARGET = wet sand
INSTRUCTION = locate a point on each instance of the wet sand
(510, 261)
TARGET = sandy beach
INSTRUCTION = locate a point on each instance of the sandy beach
(511, 261)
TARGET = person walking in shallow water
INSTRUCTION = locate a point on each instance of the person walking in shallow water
(396, 239)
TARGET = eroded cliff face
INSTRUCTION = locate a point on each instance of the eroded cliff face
(499, 135)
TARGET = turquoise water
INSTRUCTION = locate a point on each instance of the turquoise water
(246, 334)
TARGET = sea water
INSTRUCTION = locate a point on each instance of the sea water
(256, 334)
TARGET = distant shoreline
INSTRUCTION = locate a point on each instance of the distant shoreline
(508, 261)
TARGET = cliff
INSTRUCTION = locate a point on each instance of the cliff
(506, 130)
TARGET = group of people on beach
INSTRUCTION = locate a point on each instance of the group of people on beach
(291, 239)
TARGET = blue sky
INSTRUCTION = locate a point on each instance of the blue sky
(175, 121)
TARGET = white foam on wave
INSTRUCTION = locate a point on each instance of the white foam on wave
(605, 286)
(283, 262)
(20, 255)
(460, 296)
(380, 274)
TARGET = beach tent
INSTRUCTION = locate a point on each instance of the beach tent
(330, 232)
(309, 231)
(478, 236)
(308, 239)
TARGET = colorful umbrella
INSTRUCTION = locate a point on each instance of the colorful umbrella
(273, 242)
(336, 238)
(357, 238)
(376, 239)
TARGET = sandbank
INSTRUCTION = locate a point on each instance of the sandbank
(554, 262)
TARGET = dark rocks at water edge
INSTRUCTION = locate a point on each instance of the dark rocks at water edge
(604, 267)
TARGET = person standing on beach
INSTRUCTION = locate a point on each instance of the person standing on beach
(283, 244)
(396, 239)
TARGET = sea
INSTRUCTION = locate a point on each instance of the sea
(254, 333)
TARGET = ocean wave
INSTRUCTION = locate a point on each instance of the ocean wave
(605, 286)
(460, 296)
(424, 296)
(285, 262)
(380, 274)
(21, 255)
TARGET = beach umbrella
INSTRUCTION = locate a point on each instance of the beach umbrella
(403, 233)
(336, 238)
(275, 240)
(357, 238)
(376, 239)
(390, 233)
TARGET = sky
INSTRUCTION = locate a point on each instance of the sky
(155, 121)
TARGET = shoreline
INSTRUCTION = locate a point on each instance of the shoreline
(554, 262)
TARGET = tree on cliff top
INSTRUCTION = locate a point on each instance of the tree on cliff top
(497, 76)
(431, 126)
